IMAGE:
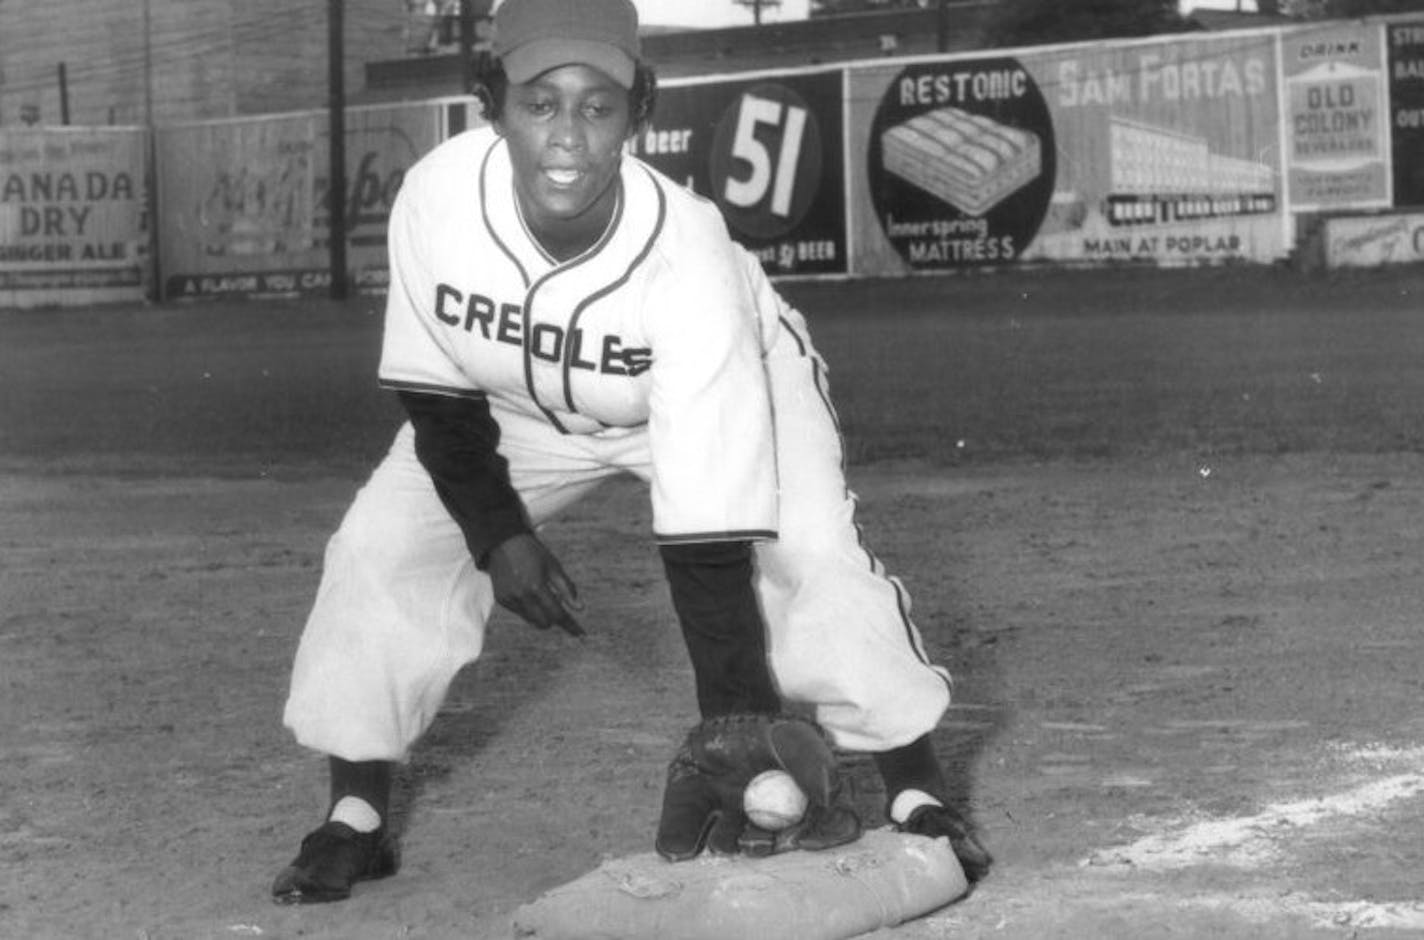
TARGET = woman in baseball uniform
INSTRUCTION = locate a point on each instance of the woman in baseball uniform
(560, 313)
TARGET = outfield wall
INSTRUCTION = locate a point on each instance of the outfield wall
(1187, 149)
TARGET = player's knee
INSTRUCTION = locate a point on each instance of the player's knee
(362, 541)
(818, 670)
(807, 557)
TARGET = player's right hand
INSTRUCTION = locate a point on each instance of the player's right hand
(529, 580)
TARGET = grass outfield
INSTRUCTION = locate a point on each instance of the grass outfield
(1005, 366)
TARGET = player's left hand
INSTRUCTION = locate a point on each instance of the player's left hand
(702, 805)
(529, 580)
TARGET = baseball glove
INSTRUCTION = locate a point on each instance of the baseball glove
(702, 805)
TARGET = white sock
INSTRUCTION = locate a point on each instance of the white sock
(907, 801)
(356, 813)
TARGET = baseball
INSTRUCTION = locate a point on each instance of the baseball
(773, 801)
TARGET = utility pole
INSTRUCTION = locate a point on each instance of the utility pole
(467, 44)
(757, 6)
(150, 173)
(63, 94)
(147, 67)
(336, 122)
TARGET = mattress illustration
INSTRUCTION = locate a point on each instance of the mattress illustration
(968, 160)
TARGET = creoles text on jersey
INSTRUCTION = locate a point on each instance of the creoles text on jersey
(504, 323)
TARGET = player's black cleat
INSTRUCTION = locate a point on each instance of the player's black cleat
(332, 859)
(936, 821)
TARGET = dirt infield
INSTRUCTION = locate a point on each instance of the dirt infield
(1167, 530)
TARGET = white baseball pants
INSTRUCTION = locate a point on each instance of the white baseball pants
(401, 607)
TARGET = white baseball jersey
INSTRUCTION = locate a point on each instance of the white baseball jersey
(662, 352)
(654, 325)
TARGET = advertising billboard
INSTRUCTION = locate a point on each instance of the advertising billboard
(1406, 94)
(769, 151)
(1165, 152)
(246, 203)
(1336, 120)
(73, 221)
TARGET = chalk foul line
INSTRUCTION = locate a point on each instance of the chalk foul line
(1258, 839)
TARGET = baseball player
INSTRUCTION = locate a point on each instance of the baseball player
(560, 313)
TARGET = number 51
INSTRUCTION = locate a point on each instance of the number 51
(746, 146)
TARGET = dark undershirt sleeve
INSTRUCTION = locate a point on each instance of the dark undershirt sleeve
(711, 586)
(456, 440)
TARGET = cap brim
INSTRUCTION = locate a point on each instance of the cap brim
(533, 59)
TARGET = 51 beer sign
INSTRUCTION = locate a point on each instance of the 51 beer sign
(769, 152)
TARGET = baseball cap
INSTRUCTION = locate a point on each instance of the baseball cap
(533, 36)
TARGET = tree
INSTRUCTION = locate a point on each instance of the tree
(1347, 9)
(1033, 22)
(838, 7)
